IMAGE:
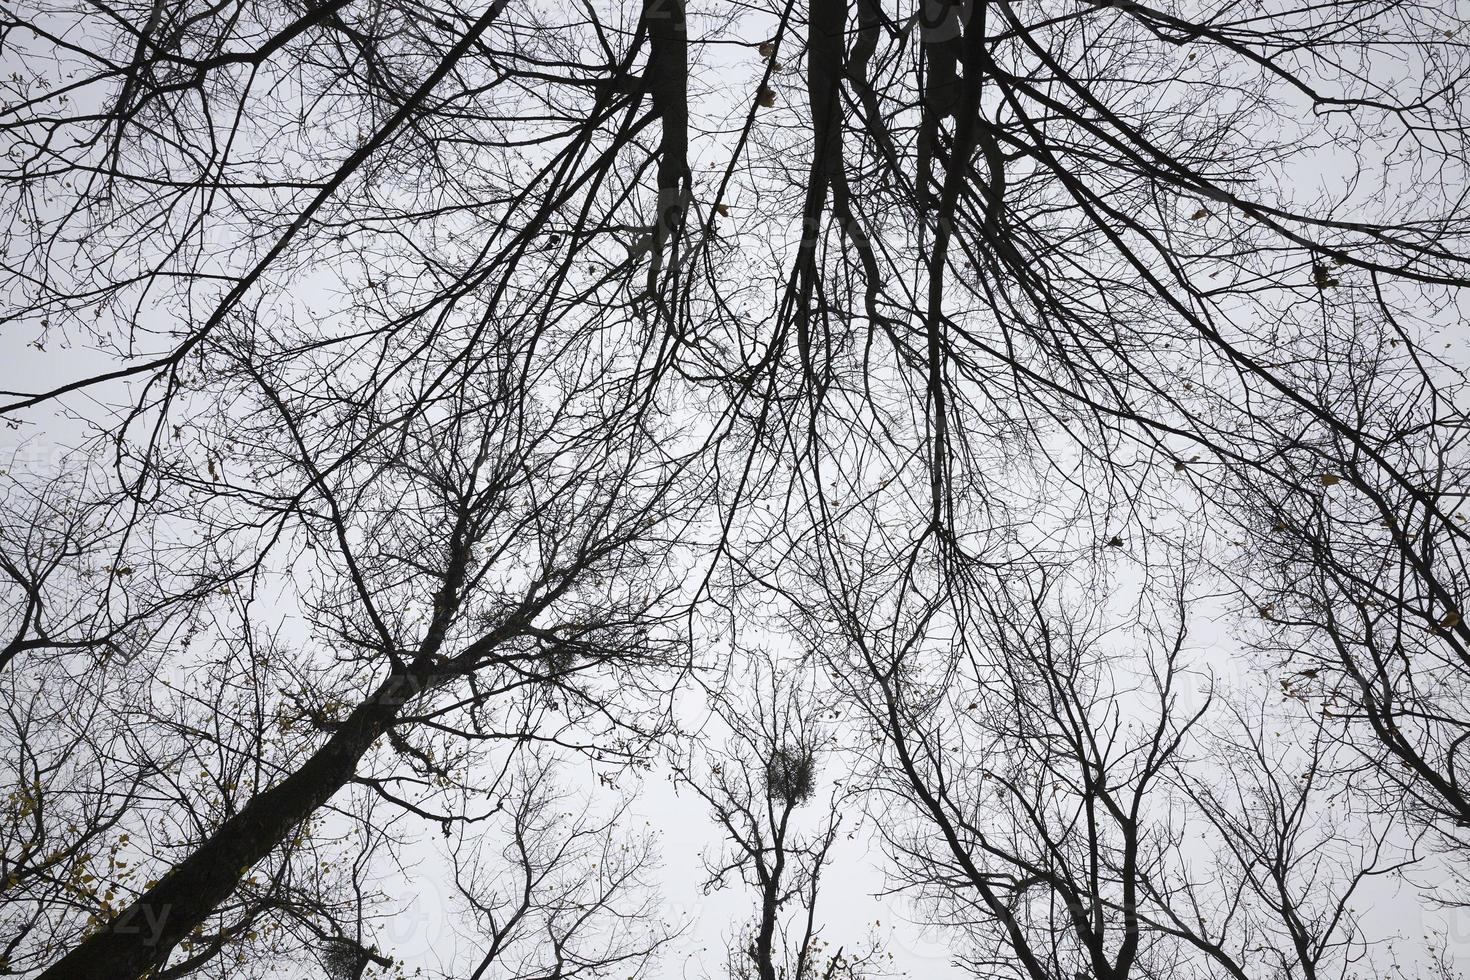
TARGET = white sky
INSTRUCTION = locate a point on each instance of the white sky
(849, 908)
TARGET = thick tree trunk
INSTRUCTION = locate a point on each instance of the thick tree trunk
(142, 935)
(765, 939)
(667, 79)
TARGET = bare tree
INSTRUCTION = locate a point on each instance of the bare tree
(459, 561)
(1357, 589)
(1077, 799)
(572, 896)
(452, 371)
(756, 785)
(1293, 856)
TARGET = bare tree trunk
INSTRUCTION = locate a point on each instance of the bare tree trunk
(142, 935)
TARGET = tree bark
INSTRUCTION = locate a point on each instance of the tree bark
(141, 937)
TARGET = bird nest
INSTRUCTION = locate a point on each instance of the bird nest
(343, 959)
(791, 774)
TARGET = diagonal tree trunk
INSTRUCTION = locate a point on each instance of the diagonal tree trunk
(142, 935)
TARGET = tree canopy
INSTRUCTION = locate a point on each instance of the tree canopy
(1033, 430)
